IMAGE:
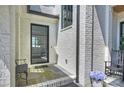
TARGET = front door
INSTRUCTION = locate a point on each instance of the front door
(122, 35)
(39, 44)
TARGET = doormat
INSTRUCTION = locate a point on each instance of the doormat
(41, 70)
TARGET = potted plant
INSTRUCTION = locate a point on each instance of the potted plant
(97, 78)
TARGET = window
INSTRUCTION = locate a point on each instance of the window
(39, 47)
(36, 41)
(67, 12)
(122, 36)
(43, 10)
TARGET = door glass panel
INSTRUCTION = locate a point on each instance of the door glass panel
(39, 44)
(123, 30)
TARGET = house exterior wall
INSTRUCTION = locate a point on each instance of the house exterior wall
(12, 45)
(24, 39)
(99, 39)
(67, 50)
(110, 27)
(66, 45)
(88, 43)
(101, 12)
(85, 53)
(50, 9)
(82, 47)
(114, 32)
(4, 46)
(65, 41)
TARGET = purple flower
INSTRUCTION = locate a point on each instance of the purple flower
(97, 75)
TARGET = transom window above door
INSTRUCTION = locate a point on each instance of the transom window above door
(66, 15)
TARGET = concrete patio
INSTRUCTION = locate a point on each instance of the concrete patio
(45, 76)
(114, 81)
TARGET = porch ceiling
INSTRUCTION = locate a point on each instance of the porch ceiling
(118, 8)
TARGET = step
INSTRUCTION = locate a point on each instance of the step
(54, 83)
(72, 84)
(57, 82)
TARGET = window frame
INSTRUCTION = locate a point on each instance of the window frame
(31, 43)
(66, 15)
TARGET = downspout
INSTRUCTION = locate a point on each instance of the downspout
(77, 42)
(92, 47)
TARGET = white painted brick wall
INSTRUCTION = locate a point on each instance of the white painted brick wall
(86, 45)
(98, 45)
(82, 46)
(4, 46)
(66, 45)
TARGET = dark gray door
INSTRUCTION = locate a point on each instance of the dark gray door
(122, 35)
(39, 44)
